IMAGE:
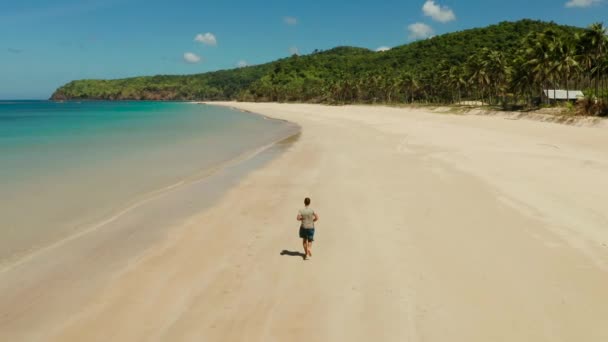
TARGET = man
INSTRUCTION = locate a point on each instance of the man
(308, 217)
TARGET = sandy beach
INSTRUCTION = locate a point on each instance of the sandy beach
(433, 227)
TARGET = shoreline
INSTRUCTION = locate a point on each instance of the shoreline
(533, 115)
(246, 157)
(236, 108)
(424, 220)
(95, 221)
(82, 263)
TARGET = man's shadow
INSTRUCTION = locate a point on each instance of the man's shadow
(291, 253)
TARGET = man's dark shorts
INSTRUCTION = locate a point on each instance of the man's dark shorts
(308, 234)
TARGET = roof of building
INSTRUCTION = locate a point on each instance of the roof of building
(561, 94)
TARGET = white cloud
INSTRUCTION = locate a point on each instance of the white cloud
(190, 57)
(206, 38)
(420, 31)
(444, 14)
(291, 21)
(242, 63)
(581, 3)
(383, 48)
(294, 50)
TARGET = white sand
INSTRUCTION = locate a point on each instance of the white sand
(433, 227)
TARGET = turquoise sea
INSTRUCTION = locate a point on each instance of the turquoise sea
(68, 166)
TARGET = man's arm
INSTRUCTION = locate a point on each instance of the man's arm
(316, 217)
(299, 218)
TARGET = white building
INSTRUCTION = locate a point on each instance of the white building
(563, 95)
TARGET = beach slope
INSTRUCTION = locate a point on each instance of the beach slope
(433, 227)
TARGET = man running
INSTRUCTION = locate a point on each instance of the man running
(308, 217)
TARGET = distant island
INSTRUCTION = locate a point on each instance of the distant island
(508, 64)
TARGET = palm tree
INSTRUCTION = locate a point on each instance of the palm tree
(601, 72)
(376, 82)
(388, 85)
(594, 44)
(565, 64)
(360, 87)
(539, 59)
(498, 70)
(478, 75)
(604, 74)
(522, 80)
(455, 78)
(409, 84)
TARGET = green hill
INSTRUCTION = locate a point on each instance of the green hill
(419, 70)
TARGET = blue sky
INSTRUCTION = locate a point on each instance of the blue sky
(45, 43)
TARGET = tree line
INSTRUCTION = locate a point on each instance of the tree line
(550, 59)
(508, 64)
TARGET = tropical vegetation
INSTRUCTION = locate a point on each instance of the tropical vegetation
(508, 64)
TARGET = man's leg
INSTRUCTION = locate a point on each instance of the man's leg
(305, 245)
(309, 247)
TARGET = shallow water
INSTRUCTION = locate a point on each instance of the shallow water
(69, 167)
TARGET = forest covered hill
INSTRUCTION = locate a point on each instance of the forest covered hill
(493, 64)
